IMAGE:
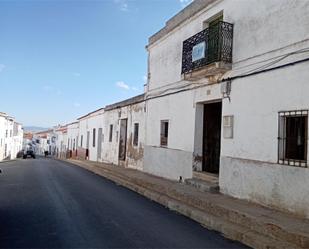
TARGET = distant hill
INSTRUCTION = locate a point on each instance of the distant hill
(34, 129)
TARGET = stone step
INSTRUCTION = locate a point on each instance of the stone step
(202, 185)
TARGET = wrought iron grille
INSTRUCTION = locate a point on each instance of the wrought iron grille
(218, 46)
(292, 138)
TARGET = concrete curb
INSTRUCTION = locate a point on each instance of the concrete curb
(228, 222)
(8, 161)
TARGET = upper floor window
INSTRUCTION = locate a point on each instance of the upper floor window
(81, 141)
(164, 133)
(213, 44)
(135, 135)
(292, 139)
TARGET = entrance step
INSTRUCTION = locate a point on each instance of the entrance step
(204, 182)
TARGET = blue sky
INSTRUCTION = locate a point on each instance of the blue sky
(62, 59)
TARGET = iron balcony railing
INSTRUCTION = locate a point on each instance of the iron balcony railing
(213, 44)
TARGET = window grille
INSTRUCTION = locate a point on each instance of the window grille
(135, 136)
(292, 138)
(164, 133)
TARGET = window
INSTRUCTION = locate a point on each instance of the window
(10, 133)
(93, 138)
(74, 144)
(213, 21)
(81, 141)
(111, 133)
(135, 135)
(228, 126)
(292, 138)
(164, 133)
(6, 133)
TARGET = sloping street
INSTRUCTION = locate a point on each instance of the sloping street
(49, 203)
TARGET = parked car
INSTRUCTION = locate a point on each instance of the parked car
(29, 153)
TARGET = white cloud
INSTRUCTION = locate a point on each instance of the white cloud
(122, 85)
(134, 88)
(2, 66)
(184, 3)
(76, 104)
(123, 5)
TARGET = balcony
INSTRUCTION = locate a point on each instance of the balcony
(209, 52)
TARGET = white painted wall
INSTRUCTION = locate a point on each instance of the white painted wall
(262, 30)
(95, 121)
(134, 113)
(72, 137)
(249, 166)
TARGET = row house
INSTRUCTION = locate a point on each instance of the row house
(61, 141)
(124, 133)
(72, 139)
(114, 134)
(11, 137)
(227, 98)
(45, 141)
(225, 102)
(90, 133)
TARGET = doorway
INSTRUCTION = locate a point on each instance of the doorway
(212, 137)
(123, 139)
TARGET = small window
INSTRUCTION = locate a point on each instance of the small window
(292, 138)
(6, 133)
(93, 138)
(135, 135)
(164, 133)
(228, 123)
(74, 144)
(111, 133)
(81, 141)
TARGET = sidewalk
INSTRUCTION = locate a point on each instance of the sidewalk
(251, 224)
(7, 161)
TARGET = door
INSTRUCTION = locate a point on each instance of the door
(87, 145)
(123, 139)
(99, 143)
(212, 137)
(214, 40)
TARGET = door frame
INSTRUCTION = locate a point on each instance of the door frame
(124, 146)
(203, 140)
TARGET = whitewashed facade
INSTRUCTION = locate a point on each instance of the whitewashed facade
(90, 135)
(124, 133)
(72, 138)
(45, 141)
(11, 137)
(243, 133)
(61, 141)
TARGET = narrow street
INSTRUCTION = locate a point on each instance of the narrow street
(49, 203)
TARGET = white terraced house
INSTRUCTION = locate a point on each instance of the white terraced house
(228, 96)
(227, 101)
(11, 137)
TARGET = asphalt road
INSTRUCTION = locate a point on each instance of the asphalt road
(48, 203)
